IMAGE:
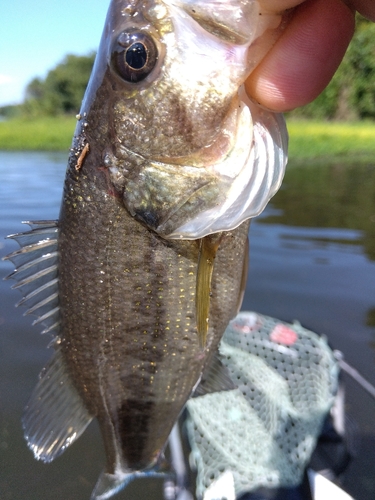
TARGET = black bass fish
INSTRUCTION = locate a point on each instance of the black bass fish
(147, 264)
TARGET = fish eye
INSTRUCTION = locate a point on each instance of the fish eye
(134, 56)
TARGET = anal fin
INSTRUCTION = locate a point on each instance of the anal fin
(215, 378)
(55, 415)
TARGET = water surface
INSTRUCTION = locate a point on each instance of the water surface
(312, 259)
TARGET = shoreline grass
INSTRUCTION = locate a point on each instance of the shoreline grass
(39, 134)
(330, 142)
(310, 141)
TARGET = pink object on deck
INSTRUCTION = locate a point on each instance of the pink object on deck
(282, 334)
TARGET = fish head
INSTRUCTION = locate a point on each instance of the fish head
(173, 80)
(166, 110)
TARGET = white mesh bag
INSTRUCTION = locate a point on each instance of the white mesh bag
(264, 432)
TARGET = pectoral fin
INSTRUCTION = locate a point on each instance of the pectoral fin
(245, 271)
(207, 253)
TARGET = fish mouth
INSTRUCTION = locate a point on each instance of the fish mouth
(217, 187)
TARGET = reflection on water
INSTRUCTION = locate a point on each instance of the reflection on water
(335, 196)
(312, 255)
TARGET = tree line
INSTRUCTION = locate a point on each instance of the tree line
(59, 93)
(349, 96)
(62, 90)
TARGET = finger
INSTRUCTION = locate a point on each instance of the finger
(365, 7)
(305, 57)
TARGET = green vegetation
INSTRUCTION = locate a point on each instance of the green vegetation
(330, 142)
(326, 142)
(62, 90)
(44, 133)
(60, 93)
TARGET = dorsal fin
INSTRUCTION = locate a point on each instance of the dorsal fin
(36, 270)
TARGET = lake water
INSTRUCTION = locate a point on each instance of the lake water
(312, 259)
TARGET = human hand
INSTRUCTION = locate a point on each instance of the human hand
(305, 57)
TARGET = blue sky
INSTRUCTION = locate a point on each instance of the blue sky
(35, 35)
